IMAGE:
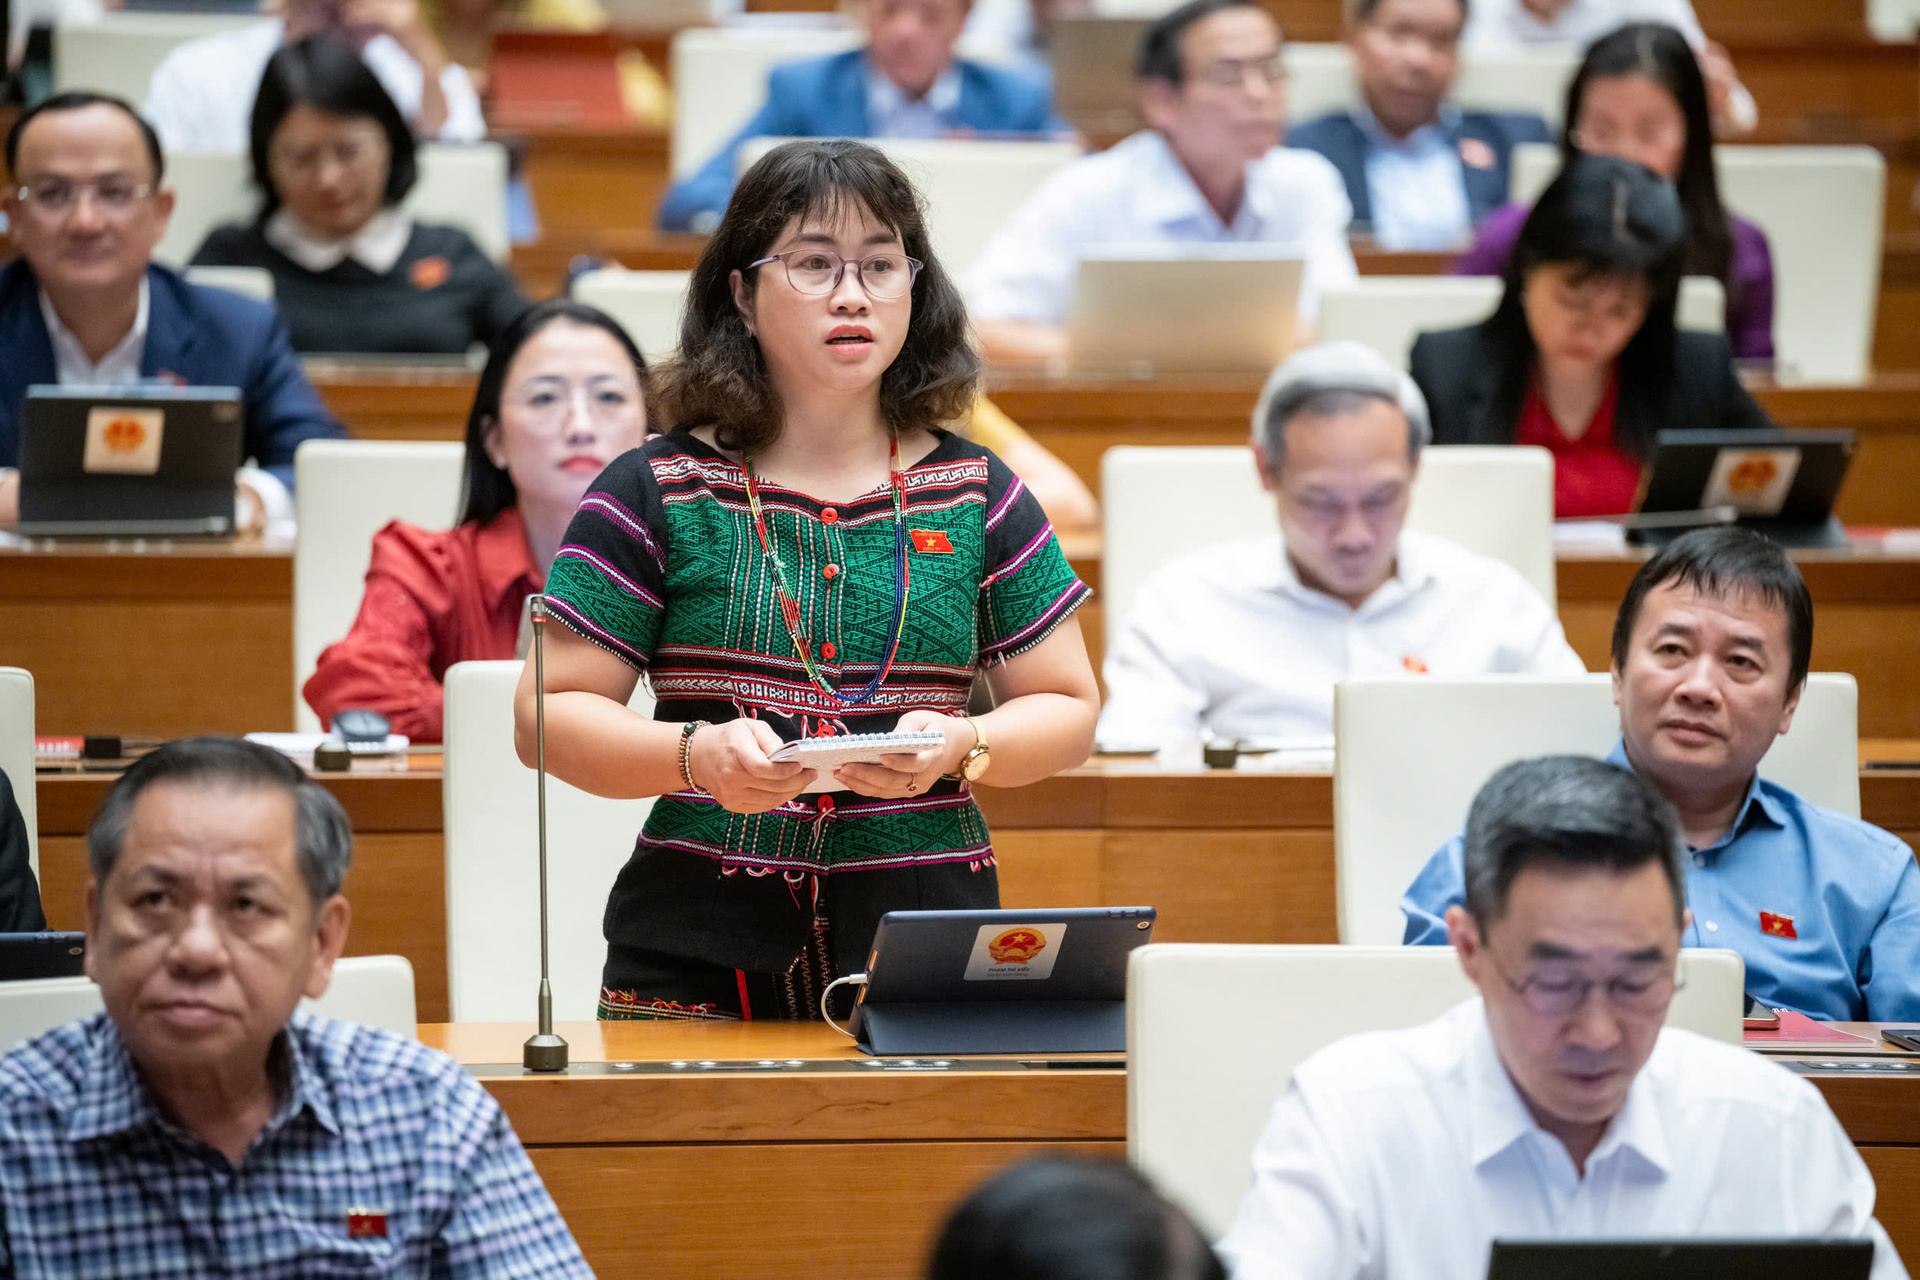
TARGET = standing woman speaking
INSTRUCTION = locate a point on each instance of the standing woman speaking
(807, 553)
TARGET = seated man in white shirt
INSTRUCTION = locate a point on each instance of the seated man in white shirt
(201, 95)
(1554, 1105)
(1208, 171)
(1246, 640)
(1500, 26)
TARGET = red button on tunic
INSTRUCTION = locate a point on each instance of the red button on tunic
(829, 516)
(831, 571)
(827, 651)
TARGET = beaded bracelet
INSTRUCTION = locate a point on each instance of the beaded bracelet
(687, 731)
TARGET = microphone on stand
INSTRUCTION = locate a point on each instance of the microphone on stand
(544, 1051)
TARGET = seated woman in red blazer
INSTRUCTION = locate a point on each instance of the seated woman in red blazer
(564, 393)
(1582, 356)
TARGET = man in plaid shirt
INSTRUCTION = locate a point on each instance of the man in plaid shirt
(200, 1126)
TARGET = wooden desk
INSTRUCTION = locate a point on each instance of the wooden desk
(1080, 418)
(187, 639)
(1225, 856)
(798, 1174)
(714, 1175)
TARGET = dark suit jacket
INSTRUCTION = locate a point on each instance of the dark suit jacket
(1340, 139)
(1459, 373)
(200, 336)
(19, 892)
(827, 98)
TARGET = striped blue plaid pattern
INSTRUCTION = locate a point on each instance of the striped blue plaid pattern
(95, 1182)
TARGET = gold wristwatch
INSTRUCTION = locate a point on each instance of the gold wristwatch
(974, 763)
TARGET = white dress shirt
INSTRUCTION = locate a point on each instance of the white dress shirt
(376, 246)
(1137, 193)
(1404, 1154)
(1501, 26)
(119, 367)
(201, 95)
(1227, 642)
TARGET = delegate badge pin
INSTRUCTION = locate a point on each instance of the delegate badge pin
(366, 1224)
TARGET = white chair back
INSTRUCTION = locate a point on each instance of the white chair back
(463, 186)
(492, 860)
(1321, 80)
(648, 304)
(720, 79)
(1823, 209)
(117, 53)
(374, 990)
(248, 282)
(1495, 500)
(1215, 1030)
(1430, 744)
(971, 187)
(16, 752)
(344, 492)
(1388, 313)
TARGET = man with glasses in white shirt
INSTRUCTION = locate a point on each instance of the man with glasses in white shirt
(84, 304)
(1554, 1104)
(1209, 170)
(1246, 640)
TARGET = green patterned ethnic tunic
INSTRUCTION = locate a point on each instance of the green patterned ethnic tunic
(663, 568)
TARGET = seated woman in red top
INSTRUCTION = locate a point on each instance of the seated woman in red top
(564, 393)
(1582, 356)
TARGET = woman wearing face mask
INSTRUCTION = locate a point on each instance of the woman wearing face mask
(1582, 356)
(563, 394)
(1639, 95)
(808, 553)
(333, 159)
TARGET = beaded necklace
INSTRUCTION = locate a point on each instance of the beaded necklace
(790, 610)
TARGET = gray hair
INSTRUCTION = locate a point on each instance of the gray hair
(1333, 378)
(323, 838)
(1573, 811)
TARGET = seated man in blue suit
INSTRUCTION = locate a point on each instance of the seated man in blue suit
(1710, 652)
(905, 84)
(1420, 173)
(83, 303)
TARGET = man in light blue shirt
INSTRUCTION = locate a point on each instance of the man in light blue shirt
(1710, 650)
(1420, 173)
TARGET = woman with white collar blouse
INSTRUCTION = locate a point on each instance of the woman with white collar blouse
(333, 159)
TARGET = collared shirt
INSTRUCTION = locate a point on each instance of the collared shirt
(376, 246)
(1848, 893)
(1417, 187)
(118, 368)
(895, 115)
(1501, 26)
(96, 1182)
(1227, 642)
(1405, 1154)
(1138, 193)
(433, 598)
(1497, 26)
(201, 95)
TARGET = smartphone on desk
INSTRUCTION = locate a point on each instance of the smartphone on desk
(1907, 1038)
(1760, 1018)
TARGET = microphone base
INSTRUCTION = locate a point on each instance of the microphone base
(544, 1053)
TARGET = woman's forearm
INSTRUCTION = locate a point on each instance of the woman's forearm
(600, 746)
(1035, 736)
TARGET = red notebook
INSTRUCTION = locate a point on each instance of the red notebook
(1797, 1030)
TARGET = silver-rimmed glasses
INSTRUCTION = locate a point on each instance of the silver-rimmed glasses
(1557, 990)
(884, 276)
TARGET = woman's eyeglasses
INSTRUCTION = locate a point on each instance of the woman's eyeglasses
(884, 276)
